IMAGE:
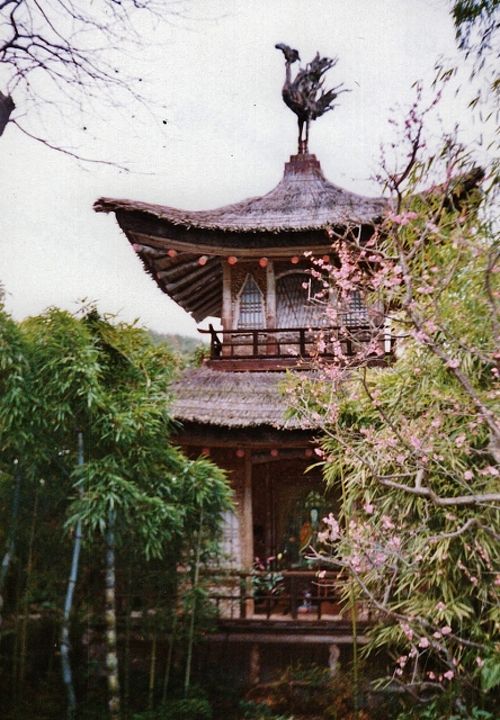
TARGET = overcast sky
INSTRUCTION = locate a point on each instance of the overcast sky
(216, 79)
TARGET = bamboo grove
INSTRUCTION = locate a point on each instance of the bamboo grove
(105, 524)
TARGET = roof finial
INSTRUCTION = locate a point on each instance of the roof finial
(304, 94)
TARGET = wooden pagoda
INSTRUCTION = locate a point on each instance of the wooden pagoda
(249, 265)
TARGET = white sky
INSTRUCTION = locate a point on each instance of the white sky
(227, 136)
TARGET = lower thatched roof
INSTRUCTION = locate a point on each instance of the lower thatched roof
(233, 399)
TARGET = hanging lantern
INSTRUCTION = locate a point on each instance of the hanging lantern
(205, 452)
(240, 453)
(326, 258)
(171, 252)
(232, 260)
(263, 261)
(202, 260)
(295, 260)
(274, 452)
(308, 453)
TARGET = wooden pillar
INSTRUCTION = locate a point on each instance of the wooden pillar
(271, 306)
(247, 552)
(254, 664)
(227, 309)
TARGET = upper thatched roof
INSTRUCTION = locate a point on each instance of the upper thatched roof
(233, 399)
(303, 200)
(181, 249)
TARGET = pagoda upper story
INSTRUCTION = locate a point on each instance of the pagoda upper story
(245, 262)
(250, 263)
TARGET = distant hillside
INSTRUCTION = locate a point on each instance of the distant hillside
(180, 344)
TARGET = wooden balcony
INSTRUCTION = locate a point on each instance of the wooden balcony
(273, 597)
(281, 348)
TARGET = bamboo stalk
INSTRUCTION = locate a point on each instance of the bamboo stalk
(11, 539)
(110, 616)
(152, 673)
(126, 654)
(187, 677)
(168, 665)
(65, 643)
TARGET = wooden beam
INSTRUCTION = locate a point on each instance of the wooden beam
(211, 268)
(199, 283)
(297, 637)
(206, 298)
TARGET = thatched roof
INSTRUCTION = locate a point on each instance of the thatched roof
(233, 399)
(303, 200)
(181, 249)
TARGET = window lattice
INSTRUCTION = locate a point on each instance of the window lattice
(251, 313)
(356, 313)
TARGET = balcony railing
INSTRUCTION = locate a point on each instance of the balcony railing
(300, 343)
(297, 595)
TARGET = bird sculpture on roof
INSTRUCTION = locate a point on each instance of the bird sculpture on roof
(304, 95)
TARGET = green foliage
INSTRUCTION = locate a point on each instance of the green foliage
(438, 710)
(193, 708)
(475, 16)
(413, 449)
(259, 711)
(304, 690)
(59, 374)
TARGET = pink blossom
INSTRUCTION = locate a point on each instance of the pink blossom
(431, 675)
(446, 630)
(403, 218)
(460, 439)
(479, 661)
(407, 630)
(387, 523)
(453, 364)
(368, 508)
(424, 642)
(449, 674)
(468, 475)
(440, 606)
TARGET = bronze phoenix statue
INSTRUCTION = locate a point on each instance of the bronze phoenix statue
(305, 95)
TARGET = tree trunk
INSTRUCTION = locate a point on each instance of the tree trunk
(6, 108)
(187, 677)
(110, 611)
(11, 540)
(65, 644)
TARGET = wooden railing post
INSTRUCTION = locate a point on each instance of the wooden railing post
(255, 340)
(302, 342)
(243, 597)
(293, 597)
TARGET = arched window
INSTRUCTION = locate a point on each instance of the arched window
(251, 305)
(295, 307)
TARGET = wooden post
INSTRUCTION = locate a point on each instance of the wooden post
(271, 307)
(247, 554)
(254, 670)
(227, 309)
